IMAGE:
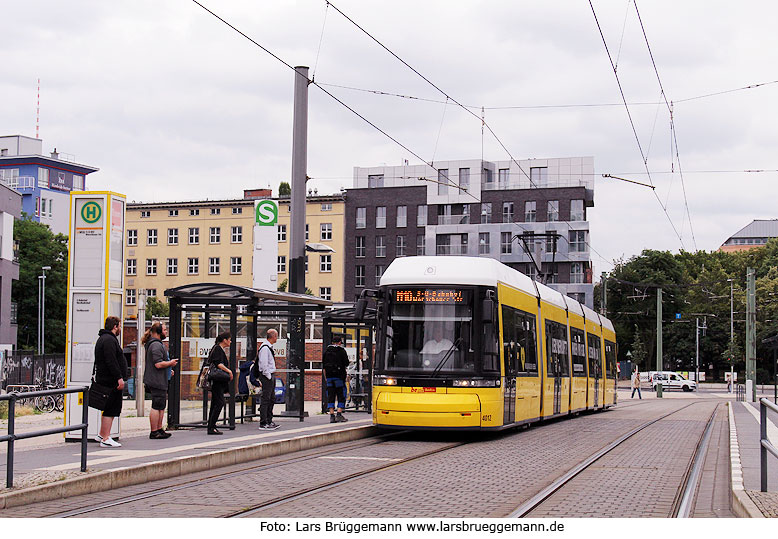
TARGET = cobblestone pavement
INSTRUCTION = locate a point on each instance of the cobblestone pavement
(488, 477)
(766, 502)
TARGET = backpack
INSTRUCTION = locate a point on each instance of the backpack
(253, 378)
(333, 367)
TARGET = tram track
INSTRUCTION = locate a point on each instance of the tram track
(681, 507)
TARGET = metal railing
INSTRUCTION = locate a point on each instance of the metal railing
(740, 392)
(11, 437)
(764, 441)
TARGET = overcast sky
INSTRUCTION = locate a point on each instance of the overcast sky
(171, 104)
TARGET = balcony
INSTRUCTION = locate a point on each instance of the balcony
(454, 219)
(451, 250)
(26, 182)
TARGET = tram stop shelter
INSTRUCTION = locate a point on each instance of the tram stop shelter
(251, 305)
(357, 333)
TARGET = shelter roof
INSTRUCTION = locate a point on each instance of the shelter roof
(214, 293)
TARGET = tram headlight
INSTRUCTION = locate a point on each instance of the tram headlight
(379, 380)
(476, 383)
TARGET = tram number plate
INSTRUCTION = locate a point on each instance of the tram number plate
(424, 389)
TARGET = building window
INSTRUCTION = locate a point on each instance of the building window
(215, 235)
(172, 213)
(507, 212)
(130, 296)
(281, 264)
(502, 177)
(402, 216)
(326, 231)
(42, 211)
(451, 244)
(325, 263)
(421, 215)
(151, 236)
(172, 266)
(132, 266)
(551, 240)
(151, 266)
(577, 241)
(464, 178)
(213, 265)
(43, 178)
(194, 236)
(326, 206)
(483, 243)
(380, 217)
(216, 211)
(530, 211)
(193, 266)
(78, 183)
(132, 238)
(172, 236)
(400, 246)
(487, 179)
(577, 210)
(506, 243)
(306, 263)
(380, 246)
(360, 252)
(151, 293)
(359, 276)
(325, 292)
(443, 181)
(420, 245)
(306, 231)
(236, 265)
(538, 176)
(145, 213)
(237, 234)
(553, 210)
(552, 275)
(486, 212)
(361, 217)
(580, 297)
(237, 211)
(576, 272)
(194, 212)
(375, 180)
(281, 232)
(531, 272)
(379, 270)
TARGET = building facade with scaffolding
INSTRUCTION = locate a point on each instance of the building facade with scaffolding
(529, 214)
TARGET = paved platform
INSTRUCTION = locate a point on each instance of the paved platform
(46, 462)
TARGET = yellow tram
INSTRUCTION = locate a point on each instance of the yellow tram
(468, 343)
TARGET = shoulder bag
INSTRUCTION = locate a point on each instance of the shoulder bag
(203, 380)
(215, 374)
(98, 394)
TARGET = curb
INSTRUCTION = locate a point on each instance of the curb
(152, 471)
(742, 504)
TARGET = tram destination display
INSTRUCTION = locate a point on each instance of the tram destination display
(448, 296)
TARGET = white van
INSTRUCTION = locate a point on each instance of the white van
(671, 380)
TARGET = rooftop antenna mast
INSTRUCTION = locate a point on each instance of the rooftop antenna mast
(38, 112)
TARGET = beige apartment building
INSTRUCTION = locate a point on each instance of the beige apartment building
(170, 244)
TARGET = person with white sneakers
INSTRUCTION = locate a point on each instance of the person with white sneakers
(110, 371)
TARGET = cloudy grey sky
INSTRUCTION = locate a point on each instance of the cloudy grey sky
(171, 104)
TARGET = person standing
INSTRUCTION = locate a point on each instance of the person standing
(636, 385)
(263, 370)
(155, 377)
(217, 359)
(110, 371)
(335, 362)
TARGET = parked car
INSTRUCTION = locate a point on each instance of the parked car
(280, 391)
(671, 380)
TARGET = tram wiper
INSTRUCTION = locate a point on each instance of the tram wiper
(442, 362)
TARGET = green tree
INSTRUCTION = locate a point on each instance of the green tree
(156, 309)
(38, 247)
(284, 189)
(639, 351)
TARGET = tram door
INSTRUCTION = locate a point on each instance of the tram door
(509, 408)
(557, 386)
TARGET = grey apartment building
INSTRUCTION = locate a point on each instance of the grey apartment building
(474, 208)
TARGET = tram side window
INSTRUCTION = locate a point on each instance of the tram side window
(578, 352)
(595, 358)
(518, 334)
(556, 349)
(610, 359)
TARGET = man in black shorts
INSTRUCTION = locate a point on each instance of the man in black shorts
(155, 377)
(110, 371)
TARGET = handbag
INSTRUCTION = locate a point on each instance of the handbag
(217, 375)
(98, 394)
(203, 380)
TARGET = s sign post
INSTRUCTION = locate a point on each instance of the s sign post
(265, 256)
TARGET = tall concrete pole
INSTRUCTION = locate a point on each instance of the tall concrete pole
(140, 356)
(659, 329)
(604, 288)
(751, 333)
(731, 332)
(299, 178)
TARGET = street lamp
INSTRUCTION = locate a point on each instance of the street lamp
(42, 310)
(731, 333)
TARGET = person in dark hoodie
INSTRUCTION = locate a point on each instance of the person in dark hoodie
(110, 371)
(155, 377)
(335, 363)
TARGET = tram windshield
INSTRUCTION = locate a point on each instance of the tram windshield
(429, 331)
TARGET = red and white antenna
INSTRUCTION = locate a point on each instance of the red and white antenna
(38, 112)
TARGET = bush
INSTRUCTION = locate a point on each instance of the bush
(4, 410)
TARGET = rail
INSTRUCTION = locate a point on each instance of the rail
(11, 437)
(740, 392)
(764, 441)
